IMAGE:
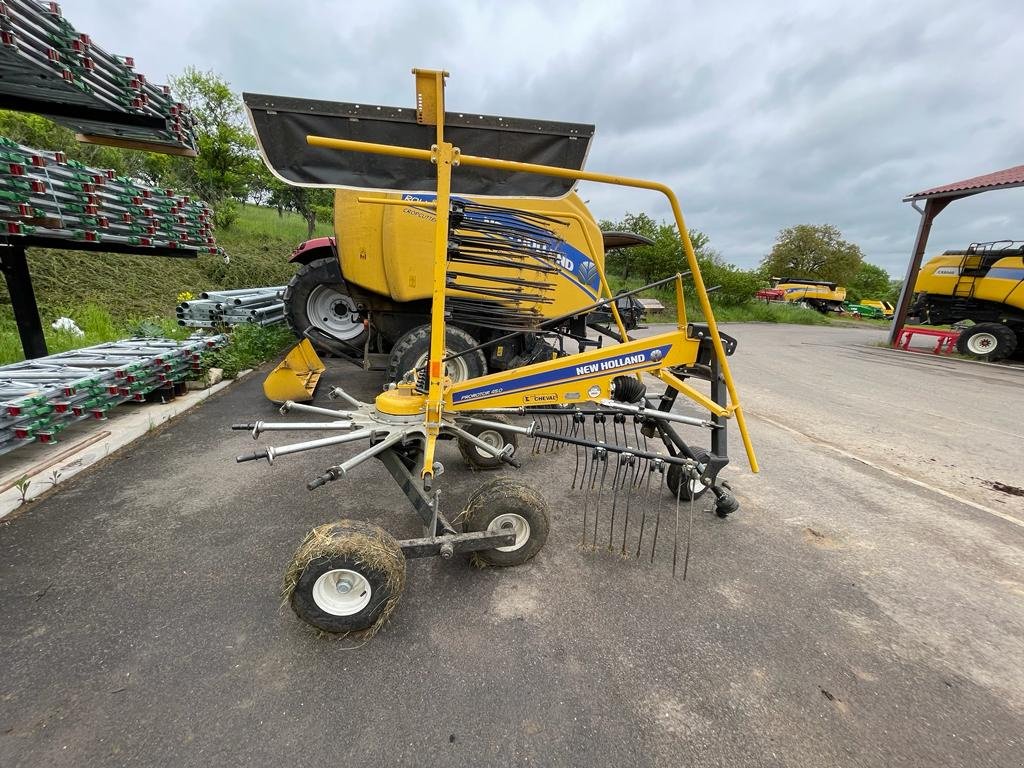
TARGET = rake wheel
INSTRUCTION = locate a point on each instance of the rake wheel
(346, 578)
(508, 505)
(693, 489)
(494, 437)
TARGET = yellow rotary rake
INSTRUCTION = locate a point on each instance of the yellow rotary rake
(347, 576)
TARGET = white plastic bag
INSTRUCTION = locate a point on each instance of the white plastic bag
(67, 325)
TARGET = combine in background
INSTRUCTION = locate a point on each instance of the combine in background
(886, 309)
(816, 294)
(983, 284)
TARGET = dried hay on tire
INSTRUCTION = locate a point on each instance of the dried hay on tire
(363, 542)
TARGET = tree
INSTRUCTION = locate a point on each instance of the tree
(815, 252)
(665, 257)
(650, 262)
(227, 157)
(870, 282)
(308, 203)
(40, 133)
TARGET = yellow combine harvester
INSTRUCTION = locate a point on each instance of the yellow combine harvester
(884, 307)
(347, 576)
(817, 294)
(983, 283)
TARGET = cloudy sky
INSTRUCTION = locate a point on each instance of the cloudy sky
(760, 115)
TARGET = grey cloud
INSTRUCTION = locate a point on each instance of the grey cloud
(761, 116)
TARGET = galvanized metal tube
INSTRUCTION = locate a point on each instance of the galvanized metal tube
(656, 414)
(291, 405)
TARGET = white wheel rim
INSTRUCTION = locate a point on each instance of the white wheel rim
(457, 369)
(696, 486)
(511, 522)
(982, 343)
(341, 592)
(333, 312)
(493, 438)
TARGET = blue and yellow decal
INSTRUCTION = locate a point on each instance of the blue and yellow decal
(566, 374)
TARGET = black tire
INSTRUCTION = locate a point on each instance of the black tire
(316, 287)
(508, 503)
(498, 438)
(352, 547)
(999, 340)
(693, 489)
(504, 480)
(412, 349)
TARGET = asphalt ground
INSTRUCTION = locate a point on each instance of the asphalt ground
(865, 607)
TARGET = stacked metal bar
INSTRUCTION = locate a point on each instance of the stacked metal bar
(40, 398)
(257, 306)
(50, 68)
(44, 194)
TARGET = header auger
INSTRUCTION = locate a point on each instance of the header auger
(347, 576)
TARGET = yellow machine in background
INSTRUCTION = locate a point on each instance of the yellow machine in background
(984, 283)
(884, 307)
(818, 294)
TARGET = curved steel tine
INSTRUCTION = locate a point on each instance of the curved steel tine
(689, 529)
(586, 493)
(603, 421)
(636, 432)
(563, 422)
(586, 461)
(559, 430)
(632, 462)
(684, 479)
(552, 444)
(651, 469)
(615, 497)
(572, 433)
(602, 456)
(639, 475)
(657, 519)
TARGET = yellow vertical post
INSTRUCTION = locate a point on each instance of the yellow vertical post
(430, 111)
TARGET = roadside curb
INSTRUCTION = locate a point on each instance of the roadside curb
(46, 468)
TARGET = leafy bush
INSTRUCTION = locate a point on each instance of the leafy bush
(249, 346)
(738, 286)
(225, 214)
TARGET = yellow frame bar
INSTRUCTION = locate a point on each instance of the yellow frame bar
(445, 155)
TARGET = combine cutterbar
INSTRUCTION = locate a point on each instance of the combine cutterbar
(347, 576)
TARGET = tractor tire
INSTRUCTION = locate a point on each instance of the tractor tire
(413, 351)
(508, 505)
(346, 577)
(691, 490)
(497, 438)
(987, 341)
(314, 299)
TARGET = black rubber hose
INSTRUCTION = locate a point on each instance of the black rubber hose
(627, 389)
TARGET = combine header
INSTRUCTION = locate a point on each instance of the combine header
(346, 577)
